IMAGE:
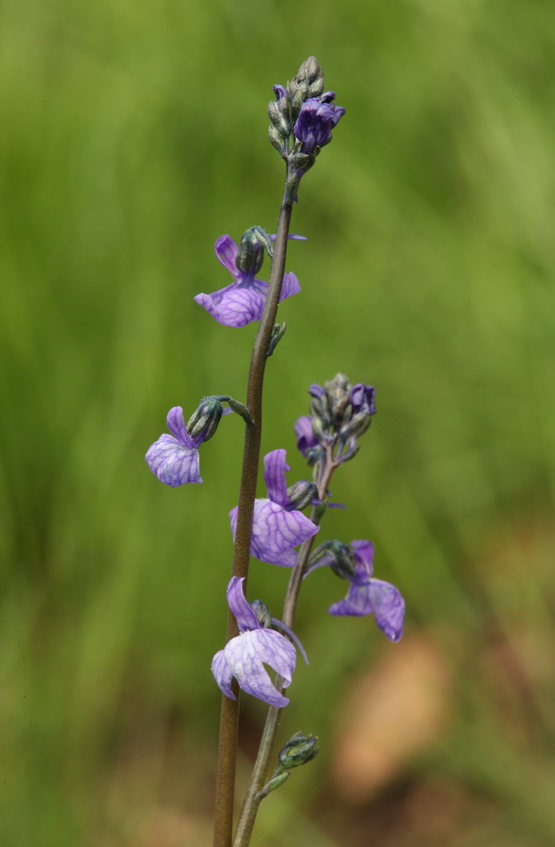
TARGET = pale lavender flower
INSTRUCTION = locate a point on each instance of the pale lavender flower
(243, 301)
(367, 595)
(276, 527)
(316, 120)
(174, 458)
(244, 656)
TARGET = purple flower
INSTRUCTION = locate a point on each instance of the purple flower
(305, 434)
(243, 301)
(276, 527)
(244, 656)
(174, 460)
(316, 120)
(363, 399)
(367, 595)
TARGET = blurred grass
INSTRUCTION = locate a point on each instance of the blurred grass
(132, 135)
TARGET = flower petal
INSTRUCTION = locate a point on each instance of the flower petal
(241, 608)
(173, 463)
(363, 554)
(274, 476)
(226, 251)
(233, 306)
(305, 434)
(275, 532)
(245, 656)
(222, 674)
(176, 425)
(290, 286)
(376, 596)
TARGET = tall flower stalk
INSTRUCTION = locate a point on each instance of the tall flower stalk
(301, 119)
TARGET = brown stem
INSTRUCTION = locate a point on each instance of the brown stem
(229, 721)
(260, 771)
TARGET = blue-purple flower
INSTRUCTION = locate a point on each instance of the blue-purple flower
(363, 399)
(243, 301)
(316, 120)
(174, 458)
(276, 526)
(367, 595)
(244, 656)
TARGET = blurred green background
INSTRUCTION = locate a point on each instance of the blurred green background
(133, 134)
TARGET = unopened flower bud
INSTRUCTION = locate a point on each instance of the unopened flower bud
(206, 418)
(280, 121)
(314, 455)
(299, 750)
(356, 427)
(262, 613)
(250, 254)
(338, 391)
(301, 494)
(309, 82)
(337, 556)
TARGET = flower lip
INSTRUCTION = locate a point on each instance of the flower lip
(174, 458)
(315, 122)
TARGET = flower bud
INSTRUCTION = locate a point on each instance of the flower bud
(301, 494)
(309, 82)
(205, 419)
(280, 121)
(250, 254)
(262, 613)
(338, 391)
(337, 555)
(356, 427)
(299, 750)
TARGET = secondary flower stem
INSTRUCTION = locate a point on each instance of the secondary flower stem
(259, 774)
(229, 719)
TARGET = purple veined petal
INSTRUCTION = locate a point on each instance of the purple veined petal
(172, 463)
(290, 237)
(275, 650)
(222, 674)
(305, 434)
(274, 476)
(376, 596)
(245, 655)
(363, 552)
(241, 608)
(316, 390)
(291, 285)
(233, 306)
(176, 425)
(226, 251)
(276, 532)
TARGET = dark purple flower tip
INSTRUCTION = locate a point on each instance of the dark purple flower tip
(241, 302)
(315, 123)
(280, 92)
(327, 97)
(305, 434)
(363, 399)
(174, 458)
(244, 656)
(316, 390)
